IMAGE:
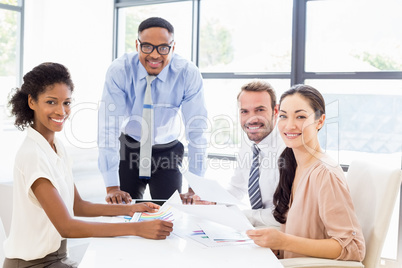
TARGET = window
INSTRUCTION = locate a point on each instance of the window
(130, 17)
(10, 19)
(233, 49)
(349, 36)
(353, 56)
(249, 36)
(364, 116)
(9, 2)
(10, 74)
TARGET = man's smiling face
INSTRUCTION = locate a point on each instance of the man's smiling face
(256, 115)
(155, 62)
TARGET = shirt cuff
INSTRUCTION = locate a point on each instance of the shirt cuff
(111, 178)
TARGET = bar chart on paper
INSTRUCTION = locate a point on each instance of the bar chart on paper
(165, 214)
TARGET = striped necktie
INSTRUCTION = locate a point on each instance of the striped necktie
(253, 182)
(147, 132)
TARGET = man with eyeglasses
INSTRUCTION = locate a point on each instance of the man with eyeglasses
(146, 96)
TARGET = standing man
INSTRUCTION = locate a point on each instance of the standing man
(257, 173)
(140, 114)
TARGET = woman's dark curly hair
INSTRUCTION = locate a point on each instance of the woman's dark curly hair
(35, 83)
(287, 162)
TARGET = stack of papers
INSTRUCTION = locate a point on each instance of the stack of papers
(227, 216)
(210, 234)
(211, 225)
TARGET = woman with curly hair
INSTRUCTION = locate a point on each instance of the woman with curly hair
(45, 197)
(312, 200)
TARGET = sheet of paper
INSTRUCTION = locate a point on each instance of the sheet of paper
(228, 216)
(173, 199)
(210, 190)
(166, 211)
(193, 227)
(201, 237)
(221, 233)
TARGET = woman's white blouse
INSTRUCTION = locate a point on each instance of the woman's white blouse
(32, 234)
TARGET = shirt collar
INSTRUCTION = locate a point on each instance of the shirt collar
(269, 141)
(44, 144)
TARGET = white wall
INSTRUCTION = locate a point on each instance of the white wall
(77, 34)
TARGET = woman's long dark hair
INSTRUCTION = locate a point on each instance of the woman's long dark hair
(287, 162)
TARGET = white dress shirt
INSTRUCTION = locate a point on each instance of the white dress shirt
(177, 96)
(271, 148)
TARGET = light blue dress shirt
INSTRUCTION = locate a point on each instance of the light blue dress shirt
(177, 95)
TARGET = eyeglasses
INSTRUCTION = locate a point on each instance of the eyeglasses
(148, 48)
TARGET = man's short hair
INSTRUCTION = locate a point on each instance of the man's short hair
(155, 22)
(260, 86)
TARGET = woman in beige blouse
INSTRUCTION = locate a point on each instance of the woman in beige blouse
(312, 201)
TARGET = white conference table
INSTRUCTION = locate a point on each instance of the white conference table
(175, 251)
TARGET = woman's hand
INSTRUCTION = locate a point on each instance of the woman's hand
(143, 207)
(156, 229)
(268, 238)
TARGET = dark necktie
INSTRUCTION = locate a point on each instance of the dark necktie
(253, 182)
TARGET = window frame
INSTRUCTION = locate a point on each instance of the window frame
(20, 7)
(299, 74)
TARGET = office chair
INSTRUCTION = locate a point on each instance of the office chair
(2, 239)
(374, 190)
(6, 205)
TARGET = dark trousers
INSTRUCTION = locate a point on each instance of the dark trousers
(165, 178)
(57, 259)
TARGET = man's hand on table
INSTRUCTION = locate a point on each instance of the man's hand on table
(116, 196)
(190, 198)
